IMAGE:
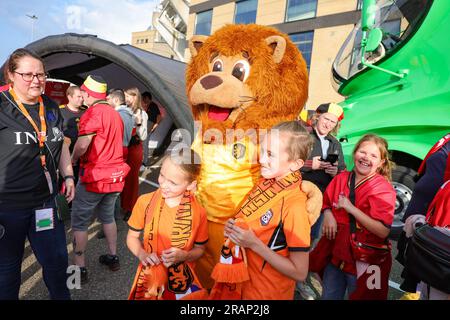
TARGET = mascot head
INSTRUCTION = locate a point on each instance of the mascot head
(245, 76)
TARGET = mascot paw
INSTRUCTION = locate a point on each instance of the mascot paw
(314, 201)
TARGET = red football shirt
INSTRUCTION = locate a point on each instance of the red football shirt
(106, 146)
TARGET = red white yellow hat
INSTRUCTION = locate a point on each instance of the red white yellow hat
(305, 115)
(95, 86)
(332, 108)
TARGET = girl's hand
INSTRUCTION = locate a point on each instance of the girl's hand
(172, 256)
(243, 238)
(228, 227)
(329, 227)
(344, 203)
(148, 259)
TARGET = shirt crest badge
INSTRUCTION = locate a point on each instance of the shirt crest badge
(266, 217)
(238, 151)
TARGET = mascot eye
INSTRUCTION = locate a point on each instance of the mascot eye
(218, 65)
(241, 70)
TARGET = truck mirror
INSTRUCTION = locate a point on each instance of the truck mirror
(374, 39)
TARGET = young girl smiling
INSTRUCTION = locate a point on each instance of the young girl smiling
(175, 231)
(355, 231)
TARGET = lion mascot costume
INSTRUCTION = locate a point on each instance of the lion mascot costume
(241, 80)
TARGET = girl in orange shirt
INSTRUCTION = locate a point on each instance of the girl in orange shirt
(278, 235)
(175, 231)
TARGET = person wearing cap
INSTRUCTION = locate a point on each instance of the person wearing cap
(326, 158)
(102, 172)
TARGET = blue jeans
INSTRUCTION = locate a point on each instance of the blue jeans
(336, 282)
(49, 247)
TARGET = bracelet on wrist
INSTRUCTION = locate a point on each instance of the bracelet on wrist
(69, 177)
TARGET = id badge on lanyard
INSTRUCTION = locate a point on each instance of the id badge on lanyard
(44, 219)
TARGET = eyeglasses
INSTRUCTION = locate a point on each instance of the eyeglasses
(28, 77)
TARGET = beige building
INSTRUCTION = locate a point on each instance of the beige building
(317, 27)
(150, 40)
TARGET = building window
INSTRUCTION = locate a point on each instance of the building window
(245, 11)
(300, 9)
(304, 42)
(146, 40)
(203, 23)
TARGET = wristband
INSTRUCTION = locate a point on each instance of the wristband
(69, 177)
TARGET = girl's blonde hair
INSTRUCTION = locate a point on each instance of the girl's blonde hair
(300, 142)
(136, 105)
(190, 164)
(386, 167)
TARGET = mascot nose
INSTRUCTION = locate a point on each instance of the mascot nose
(211, 82)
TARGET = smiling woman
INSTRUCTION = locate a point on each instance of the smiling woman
(31, 131)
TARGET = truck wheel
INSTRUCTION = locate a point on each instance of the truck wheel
(403, 183)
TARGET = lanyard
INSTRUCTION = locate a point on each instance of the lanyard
(41, 134)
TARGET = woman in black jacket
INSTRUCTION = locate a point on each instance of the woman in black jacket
(33, 151)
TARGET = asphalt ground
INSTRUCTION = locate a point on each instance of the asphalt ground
(104, 284)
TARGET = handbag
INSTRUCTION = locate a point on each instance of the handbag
(428, 257)
(371, 253)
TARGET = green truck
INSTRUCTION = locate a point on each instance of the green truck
(394, 71)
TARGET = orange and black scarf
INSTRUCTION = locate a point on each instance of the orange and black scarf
(159, 282)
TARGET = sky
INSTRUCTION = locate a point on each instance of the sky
(112, 20)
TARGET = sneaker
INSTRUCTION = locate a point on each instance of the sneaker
(315, 283)
(112, 261)
(410, 296)
(305, 291)
(83, 275)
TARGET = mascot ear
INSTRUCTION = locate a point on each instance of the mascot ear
(278, 45)
(196, 43)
